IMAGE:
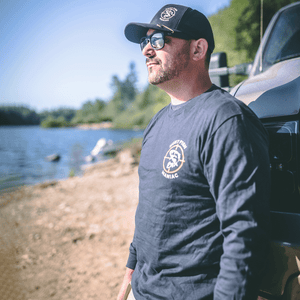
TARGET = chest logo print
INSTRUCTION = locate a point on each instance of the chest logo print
(174, 159)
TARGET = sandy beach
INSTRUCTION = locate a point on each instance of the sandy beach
(69, 239)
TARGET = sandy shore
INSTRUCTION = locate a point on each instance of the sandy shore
(69, 239)
(103, 125)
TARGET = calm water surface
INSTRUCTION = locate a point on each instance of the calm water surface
(23, 150)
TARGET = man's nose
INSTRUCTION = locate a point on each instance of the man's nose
(148, 51)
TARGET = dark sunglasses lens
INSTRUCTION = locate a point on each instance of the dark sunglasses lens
(157, 41)
(144, 41)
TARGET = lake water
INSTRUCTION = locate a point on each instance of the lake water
(23, 150)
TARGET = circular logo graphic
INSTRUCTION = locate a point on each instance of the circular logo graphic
(168, 13)
(174, 159)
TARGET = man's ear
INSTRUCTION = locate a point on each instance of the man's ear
(199, 49)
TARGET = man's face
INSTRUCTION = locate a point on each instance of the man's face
(167, 63)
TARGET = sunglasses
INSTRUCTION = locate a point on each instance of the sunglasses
(157, 39)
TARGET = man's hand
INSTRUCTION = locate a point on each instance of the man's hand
(126, 281)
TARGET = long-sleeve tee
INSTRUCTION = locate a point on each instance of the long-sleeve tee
(202, 218)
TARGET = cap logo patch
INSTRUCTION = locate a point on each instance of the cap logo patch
(168, 13)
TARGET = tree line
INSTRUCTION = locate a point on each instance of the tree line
(127, 108)
(23, 115)
(237, 32)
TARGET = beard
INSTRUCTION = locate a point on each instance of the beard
(172, 68)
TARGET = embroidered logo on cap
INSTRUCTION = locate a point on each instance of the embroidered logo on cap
(168, 13)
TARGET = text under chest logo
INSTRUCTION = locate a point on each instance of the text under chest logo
(174, 159)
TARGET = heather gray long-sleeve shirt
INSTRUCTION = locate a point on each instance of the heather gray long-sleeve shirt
(202, 218)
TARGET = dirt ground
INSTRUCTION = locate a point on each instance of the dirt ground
(69, 239)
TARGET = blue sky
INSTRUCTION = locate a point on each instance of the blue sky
(61, 53)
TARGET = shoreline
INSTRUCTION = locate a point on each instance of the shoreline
(95, 126)
(31, 162)
(69, 239)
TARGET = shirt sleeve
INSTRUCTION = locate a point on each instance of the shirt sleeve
(238, 172)
(132, 260)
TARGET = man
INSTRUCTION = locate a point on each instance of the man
(202, 217)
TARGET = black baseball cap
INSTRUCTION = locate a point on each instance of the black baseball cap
(177, 18)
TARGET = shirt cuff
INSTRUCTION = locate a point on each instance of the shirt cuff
(131, 262)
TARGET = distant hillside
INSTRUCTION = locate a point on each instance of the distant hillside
(23, 115)
(224, 25)
(18, 115)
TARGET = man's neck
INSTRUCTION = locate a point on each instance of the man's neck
(188, 85)
(182, 94)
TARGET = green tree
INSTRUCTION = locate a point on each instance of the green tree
(51, 122)
(91, 112)
(223, 24)
(139, 114)
(66, 113)
(124, 91)
(18, 115)
(129, 89)
(99, 105)
(248, 27)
